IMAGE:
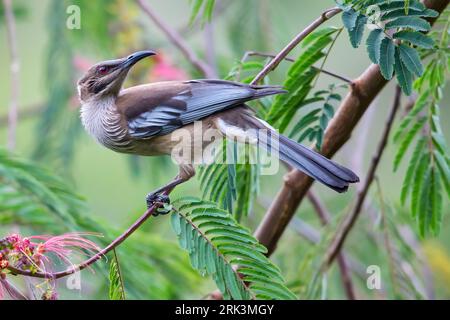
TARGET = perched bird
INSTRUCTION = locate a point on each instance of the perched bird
(142, 120)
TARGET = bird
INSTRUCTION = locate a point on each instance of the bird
(143, 119)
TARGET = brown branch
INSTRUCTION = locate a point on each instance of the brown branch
(297, 184)
(14, 70)
(325, 217)
(178, 41)
(94, 258)
(349, 222)
(327, 14)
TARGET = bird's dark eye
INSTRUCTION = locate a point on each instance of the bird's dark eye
(103, 70)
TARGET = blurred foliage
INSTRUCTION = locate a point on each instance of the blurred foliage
(35, 199)
(207, 6)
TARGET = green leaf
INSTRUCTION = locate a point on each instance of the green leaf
(116, 286)
(209, 9)
(356, 34)
(374, 45)
(405, 143)
(418, 182)
(305, 122)
(387, 56)
(390, 5)
(349, 19)
(415, 38)
(439, 142)
(404, 76)
(412, 167)
(401, 13)
(195, 10)
(411, 59)
(415, 23)
(436, 202)
(424, 210)
(444, 170)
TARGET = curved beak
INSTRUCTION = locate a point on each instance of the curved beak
(132, 59)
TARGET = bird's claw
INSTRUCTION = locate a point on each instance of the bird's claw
(159, 199)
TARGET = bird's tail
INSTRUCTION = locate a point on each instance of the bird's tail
(308, 161)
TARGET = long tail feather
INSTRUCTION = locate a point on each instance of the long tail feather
(315, 165)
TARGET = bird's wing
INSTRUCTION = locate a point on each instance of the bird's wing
(160, 108)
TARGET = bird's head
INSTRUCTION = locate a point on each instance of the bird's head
(106, 78)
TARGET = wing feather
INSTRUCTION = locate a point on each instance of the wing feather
(158, 113)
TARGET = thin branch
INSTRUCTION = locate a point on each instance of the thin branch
(325, 217)
(91, 260)
(335, 75)
(14, 69)
(178, 41)
(269, 55)
(349, 222)
(294, 42)
(296, 184)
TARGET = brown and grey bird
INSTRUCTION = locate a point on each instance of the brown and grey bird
(142, 120)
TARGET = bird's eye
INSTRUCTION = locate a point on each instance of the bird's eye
(103, 70)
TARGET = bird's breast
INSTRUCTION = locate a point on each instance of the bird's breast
(102, 121)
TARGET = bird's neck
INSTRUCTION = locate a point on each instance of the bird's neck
(102, 120)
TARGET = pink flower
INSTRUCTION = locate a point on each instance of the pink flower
(165, 70)
(35, 253)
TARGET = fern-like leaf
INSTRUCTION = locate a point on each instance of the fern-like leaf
(218, 246)
(116, 285)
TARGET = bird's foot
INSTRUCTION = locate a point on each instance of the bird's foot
(159, 199)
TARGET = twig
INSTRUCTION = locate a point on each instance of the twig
(296, 184)
(349, 222)
(325, 217)
(269, 55)
(91, 260)
(177, 40)
(294, 42)
(14, 69)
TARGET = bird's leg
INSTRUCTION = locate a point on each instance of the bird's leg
(161, 195)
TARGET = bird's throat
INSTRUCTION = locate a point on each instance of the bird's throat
(101, 120)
